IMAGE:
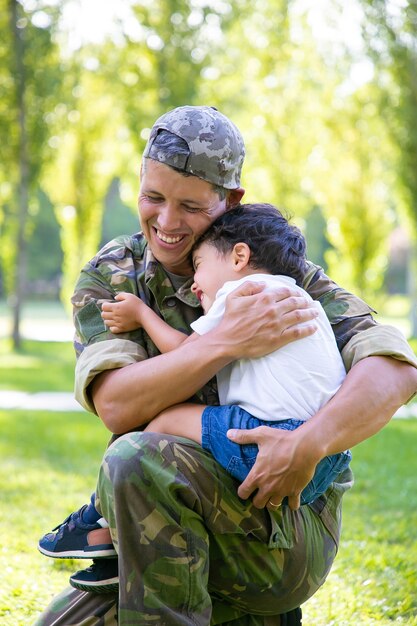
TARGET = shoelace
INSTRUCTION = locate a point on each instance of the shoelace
(70, 520)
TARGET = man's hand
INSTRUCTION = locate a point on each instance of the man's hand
(282, 467)
(258, 321)
(123, 315)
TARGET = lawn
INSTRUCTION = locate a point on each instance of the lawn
(48, 467)
(38, 366)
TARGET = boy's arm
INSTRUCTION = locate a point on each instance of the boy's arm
(162, 334)
(130, 312)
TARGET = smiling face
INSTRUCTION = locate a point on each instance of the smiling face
(174, 211)
(211, 270)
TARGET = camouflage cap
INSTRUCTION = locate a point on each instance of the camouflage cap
(216, 148)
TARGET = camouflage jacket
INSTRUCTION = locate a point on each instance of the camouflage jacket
(126, 264)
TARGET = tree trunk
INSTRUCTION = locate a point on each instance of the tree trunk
(412, 285)
(23, 182)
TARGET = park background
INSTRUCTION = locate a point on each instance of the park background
(325, 94)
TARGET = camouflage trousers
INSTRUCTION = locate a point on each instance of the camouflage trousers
(191, 552)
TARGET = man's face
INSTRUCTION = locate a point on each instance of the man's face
(211, 270)
(174, 211)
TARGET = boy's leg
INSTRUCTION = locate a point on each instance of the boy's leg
(181, 420)
(78, 537)
(184, 538)
(238, 459)
(82, 535)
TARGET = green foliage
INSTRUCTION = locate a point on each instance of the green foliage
(315, 233)
(30, 89)
(41, 83)
(44, 249)
(78, 179)
(356, 196)
(310, 141)
(314, 137)
(118, 218)
(394, 53)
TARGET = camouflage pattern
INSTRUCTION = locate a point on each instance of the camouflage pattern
(126, 264)
(192, 551)
(216, 146)
(78, 608)
(195, 554)
(186, 540)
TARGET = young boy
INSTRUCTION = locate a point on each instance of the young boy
(282, 390)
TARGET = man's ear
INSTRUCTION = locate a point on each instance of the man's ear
(240, 256)
(234, 196)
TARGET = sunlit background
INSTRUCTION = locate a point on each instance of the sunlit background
(324, 92)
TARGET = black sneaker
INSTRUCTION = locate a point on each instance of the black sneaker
(101, 577)
(71, 540)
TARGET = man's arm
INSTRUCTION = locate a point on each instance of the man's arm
(382, 376)
(255, 323)
(371, 393)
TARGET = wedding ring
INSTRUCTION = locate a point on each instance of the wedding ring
(275, 506)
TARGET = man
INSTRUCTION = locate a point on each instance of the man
(190, 550)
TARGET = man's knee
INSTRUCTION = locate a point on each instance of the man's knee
(136, 453)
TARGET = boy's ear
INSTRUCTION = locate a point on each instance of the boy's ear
(240, 256)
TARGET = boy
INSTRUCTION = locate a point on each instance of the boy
(282, 390)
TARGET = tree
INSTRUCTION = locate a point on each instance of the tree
(353, 182)
(86, 159)
(44, 252)
(157, 66)
(309, 141)
(118, 218)
(29, 90)
(394, 53)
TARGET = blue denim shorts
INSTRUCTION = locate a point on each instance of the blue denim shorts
(238, 460)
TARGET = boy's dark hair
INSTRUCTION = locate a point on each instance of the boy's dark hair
(276, 245)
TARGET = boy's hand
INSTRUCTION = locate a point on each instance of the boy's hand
(123, 315)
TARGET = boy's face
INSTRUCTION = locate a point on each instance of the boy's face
(211, 271)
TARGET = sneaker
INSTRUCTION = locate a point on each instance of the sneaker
(101, 577)
(71, 541)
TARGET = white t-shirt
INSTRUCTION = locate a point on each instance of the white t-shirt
(292, 382)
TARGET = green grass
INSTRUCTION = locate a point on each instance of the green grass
(48, 467)
(374, 578)
(38, 366)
